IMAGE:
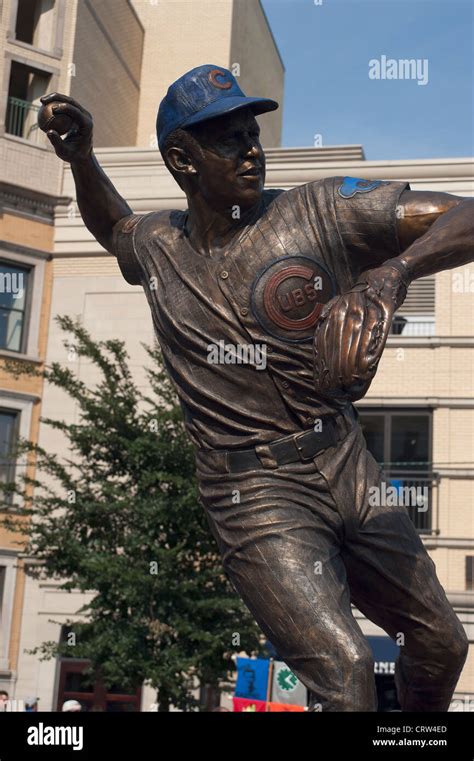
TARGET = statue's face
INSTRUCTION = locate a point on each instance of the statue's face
(232, 171)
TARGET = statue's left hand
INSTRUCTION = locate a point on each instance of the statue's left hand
(352, 331)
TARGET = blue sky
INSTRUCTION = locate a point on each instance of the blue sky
(326, 51)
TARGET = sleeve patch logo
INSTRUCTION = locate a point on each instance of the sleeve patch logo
(352, 185)
(288, 296)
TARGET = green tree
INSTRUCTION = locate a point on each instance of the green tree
(119, 516)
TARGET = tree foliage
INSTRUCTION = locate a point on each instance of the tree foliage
(116, 514)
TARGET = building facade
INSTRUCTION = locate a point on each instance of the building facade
(47, 45)
(36, 38)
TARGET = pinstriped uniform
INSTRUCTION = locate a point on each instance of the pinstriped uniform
(300, 542)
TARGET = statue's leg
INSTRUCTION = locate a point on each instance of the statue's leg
(279, 533)
(393, 582)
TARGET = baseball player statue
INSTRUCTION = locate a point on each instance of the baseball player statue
(272, 309)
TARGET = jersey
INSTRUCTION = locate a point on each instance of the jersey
(236, 329)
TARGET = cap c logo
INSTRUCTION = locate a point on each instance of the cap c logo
(220, 85)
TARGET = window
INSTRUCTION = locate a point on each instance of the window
(26, 87)
(35, 23)
(400, 440)
(21, 302)
(9, 420)
(470, 573)
(14, 288)
(416, 316)
(92, 694)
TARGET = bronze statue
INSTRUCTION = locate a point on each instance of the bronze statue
(272, 309)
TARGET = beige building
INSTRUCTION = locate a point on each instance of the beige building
(422, 393)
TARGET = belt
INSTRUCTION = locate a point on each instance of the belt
(296, 447)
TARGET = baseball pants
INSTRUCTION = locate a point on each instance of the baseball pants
(301, 542)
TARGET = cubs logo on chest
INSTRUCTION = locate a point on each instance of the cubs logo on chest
(287, 297)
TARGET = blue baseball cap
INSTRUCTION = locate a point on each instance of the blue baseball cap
(201, 94)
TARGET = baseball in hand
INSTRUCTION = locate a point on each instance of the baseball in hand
(47, 120)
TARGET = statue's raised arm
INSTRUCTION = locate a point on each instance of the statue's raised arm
(99, 202)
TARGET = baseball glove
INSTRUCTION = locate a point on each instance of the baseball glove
(352, 331)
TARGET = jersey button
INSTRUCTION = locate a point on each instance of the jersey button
(244, 311)
(285, 384)
(224, 274)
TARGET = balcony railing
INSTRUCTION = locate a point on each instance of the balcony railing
(418, 491)
(22, 120)
(401, 326)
